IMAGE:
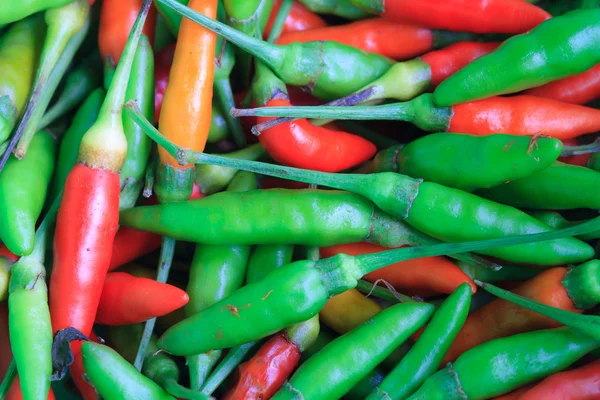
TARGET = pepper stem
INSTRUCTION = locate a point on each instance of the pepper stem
(224, 96)
(41, 235)
(593, 147)
(270, 54)
(175, 389)
(587, 324)
(279, 22)
(389, 294)
(9, 377)
(233, 358)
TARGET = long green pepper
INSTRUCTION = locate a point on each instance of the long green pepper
(11, 11)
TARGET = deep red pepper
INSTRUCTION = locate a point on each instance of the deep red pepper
(4, 252)
(162, 66)
(299, 19)
(130, 244)
(577, 89)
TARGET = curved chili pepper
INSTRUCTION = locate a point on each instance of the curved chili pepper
(571, 290)
(347, 310)
(116, 21)
(10, 12)
(557, 187)
(514, 66)
(318, 66)
(423, 359)
(480, 16)
(140, 88)
(374, 35)
(20, 48)
(127, 299)
(130, 244)
(341, 8)
(298, 19)
(577, 384)
(187, 104)
(436, 274)
(88, 216)
(502, 365)
(346, 360)
(23, 188)
(78, 85)
(577, 89)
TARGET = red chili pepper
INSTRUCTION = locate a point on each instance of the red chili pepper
(299, 19)
(116, 19)
(577, 89)
(479, 16)
(127, 299)
(162, 66)
(4, 252)
(582, 383)
(447, 61)
(280, 355)
(431, 274)
(303, 145)
(130, 244)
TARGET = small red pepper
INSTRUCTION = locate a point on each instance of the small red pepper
(162, 66)
(4, 252)
(299, 19)
(130, 244)
(577, 89)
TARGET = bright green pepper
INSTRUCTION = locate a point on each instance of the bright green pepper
(341, 8)
(320, 67)
(23, 187)
(11, 11)
(424, 358)
(469, 162)
(558, 187)
(501, 365)
(266, 258)
(114, 378)
(341, 364)
(20, 48)
(140, 88)
(557, 48)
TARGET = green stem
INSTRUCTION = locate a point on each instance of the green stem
(268, 53)
(224, 96)
(41, 234)
(392, 112)
(11, 373)
(588, 324)
(166, 258)
(278, 24)
(233, 358)
(389, 294)
(174, 388)
(593, 147)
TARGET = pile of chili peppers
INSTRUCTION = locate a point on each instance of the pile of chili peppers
(299, 199)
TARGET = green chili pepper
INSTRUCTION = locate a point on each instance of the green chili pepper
(341, 364)
(424, 358)
(506, 273)
(10, 11)
(172, 18)
(266, 258)
(78, 85)
(469, 162)
(341, 8)
(5, 265)
(29, 321)
(558, 187)
(318, 66)
(140, 89)
(557, 48)
(23, 187)
(501, 365)
(69, 147)
(218, 126)
(557, 221)
(20, 48)
(115, 378)
(163, 36)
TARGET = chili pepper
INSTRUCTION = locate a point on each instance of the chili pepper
(298, 19)
(4, 252)
(346, 360)
(186, 107)
(5, 265)
(140, 89)
(577, 89)
(514, 66)
(127, 299)
(341, 8)
(491, 161)
(77, 371)
(517, 115)
(506, 273)
(496, 16)
(20, 47)
(130, 244)
(577, 384)
(23, 187)
(374, 35)
(515, 394)
(29, 322)
(424, 357)
(266, 258)
(347, 310)
(567, 289)
(79, 84)
(317, 66)
(504, 364)
(69, 147)
(15, 12)
(88, 216)
(432, 273)
(115, 378)
(163, 36)
(116, 21)
(557, 187)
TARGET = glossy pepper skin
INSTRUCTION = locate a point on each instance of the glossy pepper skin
(347, 310)
(341, 364)
(130, 244)
(20, 48)
(11, 12)
(298, 19)
(557, 187)
(115, 378)
(479, 16)
(577, 89)
(424, 357)
(568, 45)
(499, 366)
(23, 188)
